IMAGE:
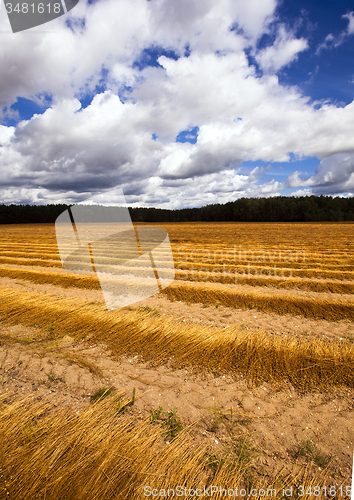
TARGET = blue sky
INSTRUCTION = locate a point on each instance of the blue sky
(179, 103)
(321, 73)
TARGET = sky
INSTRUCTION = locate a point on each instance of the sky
(180, 103)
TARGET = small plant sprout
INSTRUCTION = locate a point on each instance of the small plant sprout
(122, 407)
(51, 327)
(169, 420)
(101, 393)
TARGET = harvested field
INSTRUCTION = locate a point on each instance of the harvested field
(253, 344)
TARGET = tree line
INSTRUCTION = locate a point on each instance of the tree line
(277, 209)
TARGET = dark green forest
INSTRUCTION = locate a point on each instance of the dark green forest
(278, 209)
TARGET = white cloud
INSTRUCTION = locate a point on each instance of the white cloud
(70, 154)
(334, 174)
(335, 41)
(350, 28)
(302, 192)
(283, 52)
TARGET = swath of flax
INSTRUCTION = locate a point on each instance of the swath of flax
(28, 254)
(260, 356)
(38, 276)
(29, 262)
(308, 307)
(94, 455)
(101, 454)
(45, 276)
(288, 283)
(288, 270)
(119, 285)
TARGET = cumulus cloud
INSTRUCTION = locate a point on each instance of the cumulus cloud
(334, 174)
(126, 137)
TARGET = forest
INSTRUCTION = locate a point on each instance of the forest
(276, 209)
